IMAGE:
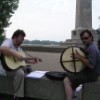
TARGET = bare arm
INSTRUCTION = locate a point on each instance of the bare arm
(9, 52)
(33, 60)
(83, 59)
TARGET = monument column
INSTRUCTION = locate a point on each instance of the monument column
(83, 14)
(83, 21)
(83, 18)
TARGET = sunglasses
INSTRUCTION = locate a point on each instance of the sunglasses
(85, 38)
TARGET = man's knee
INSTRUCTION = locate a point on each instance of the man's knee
(20, 73)
(66, 80)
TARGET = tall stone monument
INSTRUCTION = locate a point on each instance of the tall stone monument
(83, 14)
(83, 17)
(83, 21)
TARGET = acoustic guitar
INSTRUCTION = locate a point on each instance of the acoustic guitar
(10, 63)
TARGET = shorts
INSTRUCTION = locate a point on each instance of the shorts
(81, 78)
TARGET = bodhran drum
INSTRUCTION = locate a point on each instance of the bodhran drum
(69, 63)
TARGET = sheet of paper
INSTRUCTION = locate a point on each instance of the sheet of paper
(36, 74)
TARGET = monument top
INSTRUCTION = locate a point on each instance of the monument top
(83, 21)
(83, 18)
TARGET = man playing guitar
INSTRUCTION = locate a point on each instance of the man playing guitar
(10, 48)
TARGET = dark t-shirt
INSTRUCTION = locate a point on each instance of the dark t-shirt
(94, 57)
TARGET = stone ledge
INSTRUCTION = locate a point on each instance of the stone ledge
(91, 90)
(55, 49)
(6, 85)
(44, 88)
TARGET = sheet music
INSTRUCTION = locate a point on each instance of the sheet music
(36, 74)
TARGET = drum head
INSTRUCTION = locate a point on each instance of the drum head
(68, 63)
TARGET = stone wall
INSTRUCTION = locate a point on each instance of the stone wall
(55, 49)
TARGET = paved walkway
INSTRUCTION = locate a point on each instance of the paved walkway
(50, 61)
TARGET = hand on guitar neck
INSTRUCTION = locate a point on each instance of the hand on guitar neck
(22, 57)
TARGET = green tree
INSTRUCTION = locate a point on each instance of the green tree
(7, 8)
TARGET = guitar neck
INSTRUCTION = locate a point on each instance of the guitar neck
(32, 58)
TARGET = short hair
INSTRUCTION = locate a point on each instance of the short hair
(18, 32)
(86, 31)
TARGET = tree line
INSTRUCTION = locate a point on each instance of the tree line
(39, 42)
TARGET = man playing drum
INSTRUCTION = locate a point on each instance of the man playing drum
(91, 63)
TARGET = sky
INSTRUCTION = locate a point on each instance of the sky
(48, 19)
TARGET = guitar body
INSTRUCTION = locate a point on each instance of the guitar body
(10, 63)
